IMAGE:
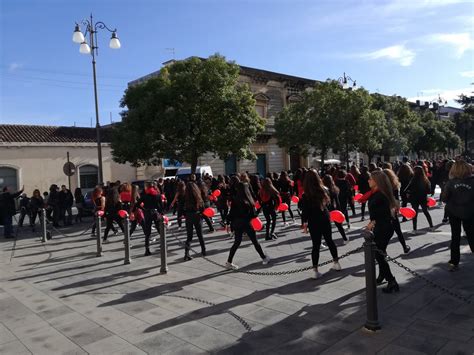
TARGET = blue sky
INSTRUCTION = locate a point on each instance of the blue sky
(412, 48)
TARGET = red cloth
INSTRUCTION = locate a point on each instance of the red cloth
(151, 191)
(365, 197)
(125, 196)
(351, 179)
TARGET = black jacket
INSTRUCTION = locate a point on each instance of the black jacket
(379, 209)
(459, 197)
(240, 212)
(311, 213)
(7, 203)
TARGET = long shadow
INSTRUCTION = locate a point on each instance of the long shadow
(303, 286)
(428, 249)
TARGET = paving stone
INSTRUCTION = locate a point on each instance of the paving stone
(392, 349)
(421, 342)
(55, 312)
(298, 347)
(49, 341)
(87, 336)
(440, 330)
(108, 345)
(14, 347)
(160, 343)
(6, 335)
(458, 348)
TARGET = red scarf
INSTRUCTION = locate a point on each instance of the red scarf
(366, 196)
(151, 191)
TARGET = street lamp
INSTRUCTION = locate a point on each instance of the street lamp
(344, 82)
(93, 49)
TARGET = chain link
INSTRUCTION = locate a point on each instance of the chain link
(65, 235)
(271, 273)
(428, 281)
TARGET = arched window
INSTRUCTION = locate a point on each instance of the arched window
(88, 176)
(261, 104)
(8, 177)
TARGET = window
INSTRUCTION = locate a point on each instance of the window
(88, 176)
(262, 164)
(8, 177)
(261, 104)
(260, 109)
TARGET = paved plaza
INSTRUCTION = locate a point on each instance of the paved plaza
(59, 298)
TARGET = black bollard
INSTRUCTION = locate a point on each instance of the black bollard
(42, 214)
(372, 322)
(163, 248)
(98, 228)
(126, 241)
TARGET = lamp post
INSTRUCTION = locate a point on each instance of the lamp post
(93, 49)
(344, 82)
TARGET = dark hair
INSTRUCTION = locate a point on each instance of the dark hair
(419, 175)
(112, 199)
(329, 183)
(243, 195)
(314, 189)
(341, 174)
(181, 188)
(405, 172)
(77, 192)
(268, 188)
(193, 198)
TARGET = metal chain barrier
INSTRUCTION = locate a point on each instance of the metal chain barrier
(271, 273)
(65, 235)
(425, 279)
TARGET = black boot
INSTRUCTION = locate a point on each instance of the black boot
(187, 257)
(203, 252)
(147, 252)
(391, 287)
(380, 280)
(406, 249)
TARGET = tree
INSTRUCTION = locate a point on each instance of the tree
(372, 132)
(465, 120)
(314, 122)
(192, 107)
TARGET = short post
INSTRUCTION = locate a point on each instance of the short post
(42, 215)
(126, 241)
(98, 228)
(372, 322)
(163, 248)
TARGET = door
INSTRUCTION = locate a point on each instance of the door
(295, 162)
(262, 164)
(230, 165)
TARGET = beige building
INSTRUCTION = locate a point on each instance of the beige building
(34, 156)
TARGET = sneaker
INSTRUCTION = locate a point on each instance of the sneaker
(274, 236)
(231, 266)
(336, 266)
(324, 246)
(452, 267)
(362, 219)
(316, 275)
(432, 229)
(266, 260)
(345, 242)
(104, 241)
(445, 220)
(115, 232)
(407, 249)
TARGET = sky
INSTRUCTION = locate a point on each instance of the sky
(417, 49)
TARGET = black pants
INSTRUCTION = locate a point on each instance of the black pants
(134, 225)
(398, 230)
(383, 232)
(66, 221)
(23, 213)
(179, 217)
(151, 217)
(33, 215)
(424, 208)
(318, 230)
(468, 225)
(208, 222)
(240, 228)
(343, 208)
(80, 213)
(224, 212)
(340, 228)
(194, 220)
(362, 209)
(270, 217)
(287, 199)
(110, 224)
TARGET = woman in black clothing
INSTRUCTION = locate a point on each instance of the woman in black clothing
(79, 199)
(334, 203)
(345, 193)
(98, 200)
(315, 218)
(417, 192)
(363, 183)
(221, 202)
(269, 200)
(405, 174)
(153, 211)
(382, 207)
(178, 201)
(286, 191)
(193, 207)
(136, 210)
(112, 206)
(242, 211)
(396, 223)
(207, 203)
(458, 194)
(36, 203)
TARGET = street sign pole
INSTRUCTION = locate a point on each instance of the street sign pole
(68, 175)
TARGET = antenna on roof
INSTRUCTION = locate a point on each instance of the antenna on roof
(91, 122)
(172, 51)
(74, 123)
(111, 118)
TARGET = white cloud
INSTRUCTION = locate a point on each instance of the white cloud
(467, 74)
(410, 5)
(399, 53)
(461, 42)
(14, 66)
(447, 94)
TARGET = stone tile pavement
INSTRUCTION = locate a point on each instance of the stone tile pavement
(59, 298)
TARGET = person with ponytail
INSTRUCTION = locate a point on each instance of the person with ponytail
(382, 210)
(135, 210)
(396, 223)
(269, 200)
(207, 203)
(333, 191)
(178, 201)
(363, 183)
(112, 206)
(315, 218)
(193, 207)
(345, 193)
(242, 211)
(417, 192)
(286, 191)
(153, 211)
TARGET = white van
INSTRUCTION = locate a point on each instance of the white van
(184, 172)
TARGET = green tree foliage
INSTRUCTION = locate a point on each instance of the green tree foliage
(464, 121)
(192, 107)
(372, 132)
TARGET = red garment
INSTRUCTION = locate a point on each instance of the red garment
(125, 196)
(299, 185)
(351, 179)
(365, 197)
(151, 191)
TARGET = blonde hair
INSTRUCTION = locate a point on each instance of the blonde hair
(460, 170)
(393, 178)
(385, 187)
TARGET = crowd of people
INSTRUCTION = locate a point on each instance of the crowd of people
(239, 199)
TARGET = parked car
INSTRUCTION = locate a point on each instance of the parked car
(184, 172)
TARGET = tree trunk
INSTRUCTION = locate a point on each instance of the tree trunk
(347, 156)
(194, 163)
(323, 156)
(370, 156)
